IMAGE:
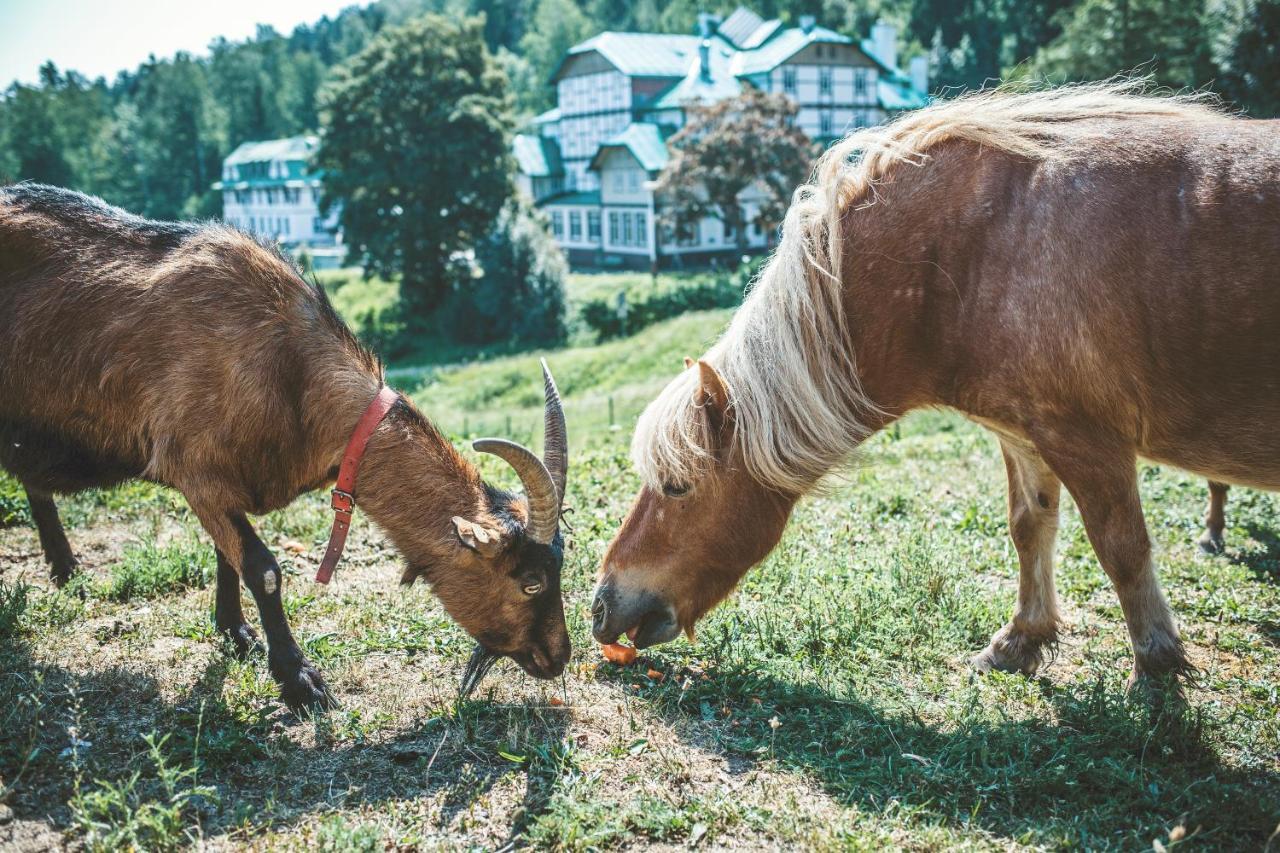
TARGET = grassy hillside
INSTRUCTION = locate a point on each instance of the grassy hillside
(482, 397)
(827, 705)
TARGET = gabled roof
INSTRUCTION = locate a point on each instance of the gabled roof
(551, 116)
(694, 87)
(739, 26)
(537, 156)
(291, 148)
(588, 198)
(643, 140)
(782, 47)
(895, 92)
(639, 54)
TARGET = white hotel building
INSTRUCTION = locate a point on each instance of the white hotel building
(269, 188)
(590, 163)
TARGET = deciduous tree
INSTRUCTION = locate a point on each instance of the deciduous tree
(415, 147)
(723, 149)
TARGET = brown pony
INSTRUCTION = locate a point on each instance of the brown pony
(1088, 272)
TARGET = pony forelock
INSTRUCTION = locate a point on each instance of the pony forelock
(787, 356)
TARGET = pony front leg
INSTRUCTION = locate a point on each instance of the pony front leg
(1033, 525)
(1100, 472)
(1215, 520)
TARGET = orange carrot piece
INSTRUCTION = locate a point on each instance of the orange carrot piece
(619, 654)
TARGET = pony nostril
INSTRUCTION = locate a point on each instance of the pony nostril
(597, 607)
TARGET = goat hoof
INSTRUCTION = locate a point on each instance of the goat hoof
(305, 690)
(244, 641)
(61, 573)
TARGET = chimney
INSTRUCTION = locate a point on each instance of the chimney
(807, 23)
(707, 24)
(920, 73)
(884, 38)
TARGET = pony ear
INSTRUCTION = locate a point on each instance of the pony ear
(711, 388)
(712, 397)
(485, 541)
(688, 362)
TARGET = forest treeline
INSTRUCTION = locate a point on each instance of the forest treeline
(152, 139)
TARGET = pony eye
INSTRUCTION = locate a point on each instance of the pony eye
(531, 588)
(671, 490)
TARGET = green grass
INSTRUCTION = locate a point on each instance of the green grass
(826, 705)
(149, 571)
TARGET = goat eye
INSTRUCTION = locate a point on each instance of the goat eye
(531, 588)
(672, 490)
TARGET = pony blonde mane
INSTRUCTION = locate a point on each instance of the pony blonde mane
(787, 355)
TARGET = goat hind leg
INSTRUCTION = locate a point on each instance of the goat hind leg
(228, 615)
(53, 539)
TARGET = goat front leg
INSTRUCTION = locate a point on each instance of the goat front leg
(1100, 472)
(1215, 520)
(228, 615)
(300, 683)
(53, 539)
(1033, 525)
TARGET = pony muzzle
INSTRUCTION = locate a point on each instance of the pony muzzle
(644, 617)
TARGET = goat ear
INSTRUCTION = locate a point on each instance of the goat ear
(485, 541)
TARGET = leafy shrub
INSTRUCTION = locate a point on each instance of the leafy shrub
(514, 293)
(13, 605)
(722, 291)
(13, 502)
(138, 814)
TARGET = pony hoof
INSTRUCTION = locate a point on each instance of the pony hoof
(990, 660)
(1211, 544)
(1008, 652)
(305, 691)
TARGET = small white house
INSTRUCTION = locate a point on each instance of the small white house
(270, 189)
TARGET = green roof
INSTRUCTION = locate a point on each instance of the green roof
(897, 93)
(643, 140)
(694, 87)
(537, 156)
(292, 148)
(782, 47)
(574, 197)
(640, 54)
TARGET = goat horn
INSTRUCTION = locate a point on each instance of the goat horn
(544, 501)
(555, 453)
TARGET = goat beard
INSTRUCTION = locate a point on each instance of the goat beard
(482, 660)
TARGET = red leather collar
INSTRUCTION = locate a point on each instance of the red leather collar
(344, 490)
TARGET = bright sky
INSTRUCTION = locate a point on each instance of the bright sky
(102, 37)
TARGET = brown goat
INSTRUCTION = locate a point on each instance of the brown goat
(192, 356)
